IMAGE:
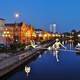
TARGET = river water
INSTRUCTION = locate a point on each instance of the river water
(45, 67)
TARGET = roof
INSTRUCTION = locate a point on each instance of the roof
(38, 30)
(13, 24)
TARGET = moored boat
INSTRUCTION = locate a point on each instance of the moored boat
(77, 48)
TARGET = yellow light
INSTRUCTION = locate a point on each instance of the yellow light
(4, 32)
(3, 35)
(59, 35)
(49, 35)
(45, 35)
(9, 35)
(27, 34)
(7, 32)
(40, 35)
(53, 35)
(6, 29)
(6, 35)
(56, 35)
(34, 34)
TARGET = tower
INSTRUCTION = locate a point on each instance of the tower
(54, 28)
(51, 28)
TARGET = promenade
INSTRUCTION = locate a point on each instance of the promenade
(10, 62)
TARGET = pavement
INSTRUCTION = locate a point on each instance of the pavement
(4, 56)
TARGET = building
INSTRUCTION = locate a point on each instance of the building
(18, 32)
(42, 34)
(2, 26)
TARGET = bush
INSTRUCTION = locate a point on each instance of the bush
(2, 48)
(17, 47)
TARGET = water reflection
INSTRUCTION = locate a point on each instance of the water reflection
(56, 55)
(70, 43)
(62, 41)
(45, 67)
(40, 56)
(45, 52)
(27, 69)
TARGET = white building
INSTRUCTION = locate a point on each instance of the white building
(2, 26)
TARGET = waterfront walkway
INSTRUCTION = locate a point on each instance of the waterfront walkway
(13, 61)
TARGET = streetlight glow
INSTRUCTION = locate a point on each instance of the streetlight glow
(17, 15)
(78, 35)
(8, 32)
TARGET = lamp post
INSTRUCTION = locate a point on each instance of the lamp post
(17, 15)
(16, 28)
(15, 31)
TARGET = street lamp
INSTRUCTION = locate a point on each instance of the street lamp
(16, 28)
(15, 31)
(17, 15)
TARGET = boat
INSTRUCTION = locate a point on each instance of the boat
(77, 48)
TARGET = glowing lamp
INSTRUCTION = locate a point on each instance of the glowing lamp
(27, 70)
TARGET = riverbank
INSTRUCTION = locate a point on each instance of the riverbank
(15, 61)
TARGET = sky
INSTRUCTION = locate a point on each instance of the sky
(41, 13)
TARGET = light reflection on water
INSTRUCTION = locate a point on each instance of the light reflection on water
(45, 67)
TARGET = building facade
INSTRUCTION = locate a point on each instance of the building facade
(18, 32)
(2, 26)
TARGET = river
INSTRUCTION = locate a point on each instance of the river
(45, 67)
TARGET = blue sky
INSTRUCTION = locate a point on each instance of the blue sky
(42, 13)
